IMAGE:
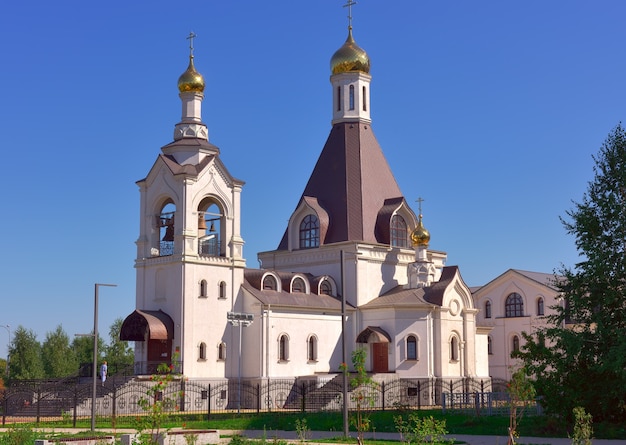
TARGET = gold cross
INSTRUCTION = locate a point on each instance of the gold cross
(349, 6)
(191, 36)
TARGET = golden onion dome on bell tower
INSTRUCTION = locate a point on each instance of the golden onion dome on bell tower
(191, 80)
(420, 236)
(350, 57)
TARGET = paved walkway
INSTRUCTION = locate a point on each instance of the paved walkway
(292, 435)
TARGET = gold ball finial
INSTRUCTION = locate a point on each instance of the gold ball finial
(350, 57)
(420, 236)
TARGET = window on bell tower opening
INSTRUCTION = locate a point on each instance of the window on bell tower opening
(399, 233)
(210, 234)
(309, 232)
(339, 98)
(364, 99)
(165, 225)
(352, 97)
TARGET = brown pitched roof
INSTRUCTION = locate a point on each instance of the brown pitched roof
(252, 284)
(402, 296)
(352, 182)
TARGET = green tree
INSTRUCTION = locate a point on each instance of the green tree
(579, 359)
(25, 353)
(83, 349)
(118, 353)
(362, 394)
(59, 359)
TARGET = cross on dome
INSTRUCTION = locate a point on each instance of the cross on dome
(349, 6)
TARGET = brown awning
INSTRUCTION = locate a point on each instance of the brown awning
(377, 334)
(151, 325)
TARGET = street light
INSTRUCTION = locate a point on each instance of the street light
(95, 353)
(242, 320)
(8, 328)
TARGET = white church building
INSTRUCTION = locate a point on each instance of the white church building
(353, 264)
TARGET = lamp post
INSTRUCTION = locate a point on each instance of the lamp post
(8, 328)
(242, 320)
(95, 353)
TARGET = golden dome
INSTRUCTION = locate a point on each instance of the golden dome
(420, 236)
(191, 80)
(350, 57)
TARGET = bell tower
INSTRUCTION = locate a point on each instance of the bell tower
(189, 251)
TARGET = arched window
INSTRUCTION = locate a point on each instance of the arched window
(312, 348)
(309, 232)
(514, 306)
(364, 99)
(298, 285)
(489, 345)
(411, 347)
(209, 228)
(540, 306)
(222, 290)
(203, 288)
(202, 351)
(165, 223)
(283, 348)
(339, 99)
(515, 344)
(487, 309)
(221, 352)
(399, 233)
(454, 348)
(352, 97)
(269, 283)
(326, 288)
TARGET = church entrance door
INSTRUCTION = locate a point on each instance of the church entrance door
(158, 352)
(380, 360)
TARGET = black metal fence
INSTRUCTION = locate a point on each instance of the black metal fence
(119, 398)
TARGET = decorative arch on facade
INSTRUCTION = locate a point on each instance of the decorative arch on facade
(222, 290)
(202, 351)
(203, 288)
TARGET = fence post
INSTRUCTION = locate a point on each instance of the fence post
(5, 403)
(38, 405)
(303, 405)
(182, 394)
(74, 416)
(114, 406)
(383, 396)
(208, 400)
(419, 394)
(258, 398)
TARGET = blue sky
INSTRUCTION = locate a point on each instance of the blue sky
(491, 111)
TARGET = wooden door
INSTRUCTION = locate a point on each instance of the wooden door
(380, 360)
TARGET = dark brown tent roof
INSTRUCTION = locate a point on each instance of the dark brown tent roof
(152, 325)
(352, 182)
